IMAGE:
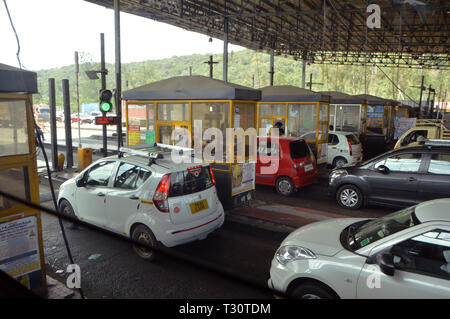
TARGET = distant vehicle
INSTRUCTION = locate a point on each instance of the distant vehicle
(343, 148)
(399, 178)
(402, 255)
(150, 199)
(83, 118)
(424, 129)
(60, 116)
(42, 113)
(296, 164)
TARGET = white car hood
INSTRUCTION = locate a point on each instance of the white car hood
(322, 238)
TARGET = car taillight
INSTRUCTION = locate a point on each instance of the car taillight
(212, 176)
(162, 194)
(350, 147)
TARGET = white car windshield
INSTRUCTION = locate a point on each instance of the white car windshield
(381, 228)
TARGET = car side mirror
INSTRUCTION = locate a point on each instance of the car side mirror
(386, 263)
(383, 169)
(80, 182)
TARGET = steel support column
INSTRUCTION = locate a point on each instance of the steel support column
(67, 123)
(118, 93)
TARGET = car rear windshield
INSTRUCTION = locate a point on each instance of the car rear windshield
(353, 140)
(193, 180)
(299, 149)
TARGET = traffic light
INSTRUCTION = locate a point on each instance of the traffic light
(105, 101)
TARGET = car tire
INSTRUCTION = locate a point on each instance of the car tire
(285, 186)
(339, 162)
(312, 291)
(143, 234)
(349, 196)
(66, 209)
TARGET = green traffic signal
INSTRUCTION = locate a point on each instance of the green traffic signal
(105, 101)
(106, 106)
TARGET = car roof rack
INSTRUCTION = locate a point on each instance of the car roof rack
(436, 142)
(154, 151)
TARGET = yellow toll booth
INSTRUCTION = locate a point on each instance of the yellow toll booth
(197, 103)
(347, 113)
(302, 113)
(21, 250)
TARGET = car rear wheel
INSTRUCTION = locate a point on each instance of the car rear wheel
(285, 186)
(144, 235)
(349, 196)
(312, 291)
(339, 162)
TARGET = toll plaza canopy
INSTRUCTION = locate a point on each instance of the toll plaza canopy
(410, 34)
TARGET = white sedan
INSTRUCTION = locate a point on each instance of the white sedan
(402, 255)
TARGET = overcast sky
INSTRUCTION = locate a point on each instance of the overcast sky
(50, 31)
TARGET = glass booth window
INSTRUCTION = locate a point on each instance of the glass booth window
(347, 118)
(18, 188)
(177, 112)
(302, 119)
(13, 128)
(244, 115)
(142, 115)
(272, 109)
(212, 115)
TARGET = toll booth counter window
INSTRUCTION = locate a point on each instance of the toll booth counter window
(211, 115)
(173, 114)
(302, 119)
(270, 114)
(244, 117)
(13, 128)
(347, 118)
(143, 116)
(18, 188)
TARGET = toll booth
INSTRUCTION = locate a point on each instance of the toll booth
(21, 249)
(303, 113)
(380, 125)
(347, 113)
(156, 111)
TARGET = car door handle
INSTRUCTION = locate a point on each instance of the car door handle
(412, 179)
(101, 194)
(133, 197)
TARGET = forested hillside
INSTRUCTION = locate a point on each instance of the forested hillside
(247, 67)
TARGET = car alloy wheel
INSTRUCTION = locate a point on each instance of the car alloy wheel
(340, 162)
(349, 196)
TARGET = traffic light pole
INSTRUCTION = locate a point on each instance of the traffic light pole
(103, 77)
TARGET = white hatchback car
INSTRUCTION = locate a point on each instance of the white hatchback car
(148, 200)
(402, 255)
(343, 148)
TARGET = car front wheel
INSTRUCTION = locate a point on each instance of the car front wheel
(312, 291)
(349, 196)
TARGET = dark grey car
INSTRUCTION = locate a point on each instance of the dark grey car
(399, 178)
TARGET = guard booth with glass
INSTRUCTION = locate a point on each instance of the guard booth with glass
(347, 113)
(21, 249)
(302, 113)
(158, 111)
(380, 124)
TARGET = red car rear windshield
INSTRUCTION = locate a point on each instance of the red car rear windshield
(299, 149)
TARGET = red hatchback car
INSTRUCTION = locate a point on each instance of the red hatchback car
(296, 164)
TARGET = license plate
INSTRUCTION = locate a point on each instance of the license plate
(198, 206)
(309, 167)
